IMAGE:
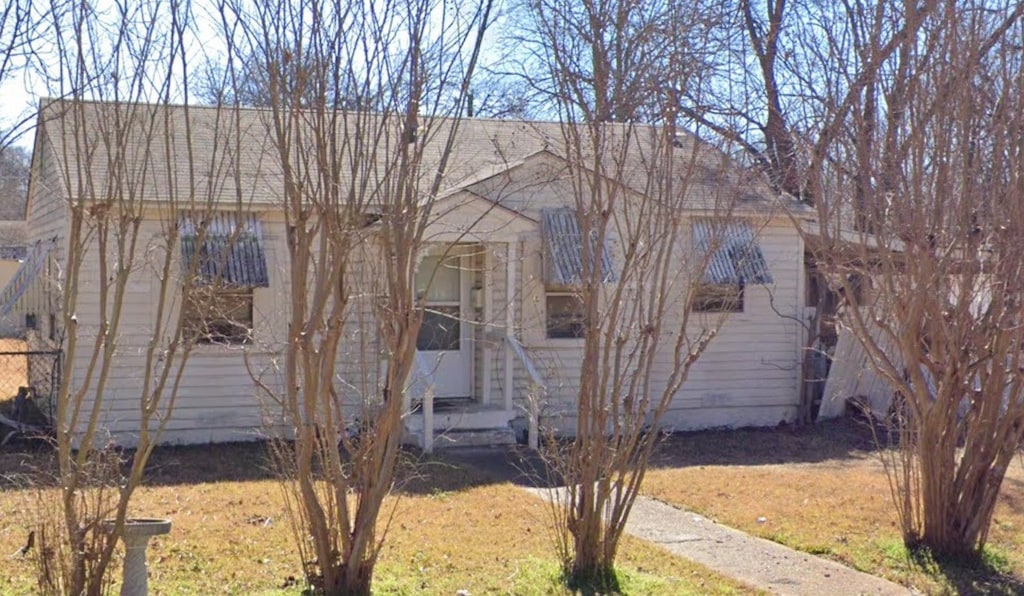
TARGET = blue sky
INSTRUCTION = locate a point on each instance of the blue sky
(21, 91)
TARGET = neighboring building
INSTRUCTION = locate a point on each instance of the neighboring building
(16, 315)
(500, 323)
(14, 162)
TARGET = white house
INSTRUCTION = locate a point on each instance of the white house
(500, 325)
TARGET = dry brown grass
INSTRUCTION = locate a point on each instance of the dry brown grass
(831, 498)
(13, 369)
(452, 529)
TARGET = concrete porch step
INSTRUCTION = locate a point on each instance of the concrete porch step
(475, 418)
(478, 437)
(473, 425)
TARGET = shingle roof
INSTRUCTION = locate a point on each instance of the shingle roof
(181, 152)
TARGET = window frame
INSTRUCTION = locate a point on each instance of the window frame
(715, 298)
(198, 327)
(575, 329)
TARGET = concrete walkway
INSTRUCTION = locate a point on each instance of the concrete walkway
(759, 563)
(754, 561)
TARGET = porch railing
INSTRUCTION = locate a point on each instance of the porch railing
(423, 385)
(537, 389)
(25, 275)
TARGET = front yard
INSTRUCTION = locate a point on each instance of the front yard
(823, 490)
(453, 528)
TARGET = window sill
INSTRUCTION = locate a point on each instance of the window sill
(557, 342)
(225, 350)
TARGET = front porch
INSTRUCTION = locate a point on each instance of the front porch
(468, 386)
(474, 384)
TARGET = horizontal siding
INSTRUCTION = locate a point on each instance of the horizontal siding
(218, 397)
(748, 374)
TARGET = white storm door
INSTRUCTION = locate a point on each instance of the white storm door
(445, 338)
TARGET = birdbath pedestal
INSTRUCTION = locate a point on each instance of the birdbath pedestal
(136, 535)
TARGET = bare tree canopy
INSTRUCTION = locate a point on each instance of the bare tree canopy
(363, 103)
(642, 53)
(14, 163)
(927, 166)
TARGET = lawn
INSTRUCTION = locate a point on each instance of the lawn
(820, 489)
(453, 528)
(823, 490)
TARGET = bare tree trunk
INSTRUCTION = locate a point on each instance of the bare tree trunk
(605, 67)
(940, 321)
(112, 137)
(363, 106)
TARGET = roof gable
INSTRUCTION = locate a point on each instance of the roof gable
(464, 216)
(171, 152)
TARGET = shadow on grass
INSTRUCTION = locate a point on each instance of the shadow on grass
(987, 575)
(464, 468)
(469, 467)
(417, 473)
(605, 581)
(842, 438)
(26, 462)
(33, 463)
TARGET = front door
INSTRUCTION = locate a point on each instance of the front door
(445, 339)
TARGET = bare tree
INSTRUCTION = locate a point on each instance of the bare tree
(358, 186)
(645, 198)
(14, 165)
(120, 194)
(932, 162)
(18, 32)
(784, 94)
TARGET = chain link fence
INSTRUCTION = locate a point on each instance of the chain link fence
(28, 385)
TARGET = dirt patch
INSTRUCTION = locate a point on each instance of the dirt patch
(842, 440)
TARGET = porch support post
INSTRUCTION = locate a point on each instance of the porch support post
(487, 352)
(511, 296)
(406, 397)
(428, 420)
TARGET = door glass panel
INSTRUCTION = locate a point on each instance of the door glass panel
(442, 277)
(440, 329)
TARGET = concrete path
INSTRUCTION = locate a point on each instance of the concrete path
(759, 563)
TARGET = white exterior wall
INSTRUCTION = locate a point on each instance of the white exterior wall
(217, 399)
(47, 219)
(748, 376)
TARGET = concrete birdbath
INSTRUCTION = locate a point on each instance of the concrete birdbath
(136, 535)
